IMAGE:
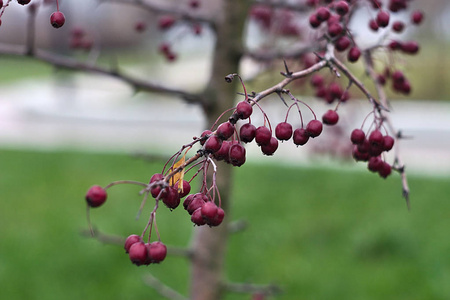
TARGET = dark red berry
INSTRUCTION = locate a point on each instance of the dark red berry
(398, 26)
(314, 21)
(411, 47)
(156, 189)
(376, 138)
(197, 217)
(373, 25)
(157, 252)
(165, 22)
(283, 131)
(270, 148)
(398, 76)
(353, 54)
(375, 163)
(342, 43)
(223, 153)
(23, 2)
(212, 144)
(57, 19)
(341, 8)
(360, 156)
(358, 136)
(134, 238)
(364, 147)
(385, 170)
(225, 130)
(317, 80)
(237, 155)
(209, 210)
(184, 190)
(300, 136)
(262, 135)
(204, 136)
(322, 13)
(170, 197)
(217, 220)
(197, 202)
(335, 29)
(314, 128)
(188, 201)
(96, 196)
(244, 110)
(383, 18)
(395, 45)
(388, 142)
(334, 91)
(247, 133)
(417, 17)
(331, 117)
(138, 253)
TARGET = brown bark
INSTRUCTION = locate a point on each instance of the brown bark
(209, 244)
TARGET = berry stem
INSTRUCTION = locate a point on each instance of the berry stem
(125, 182)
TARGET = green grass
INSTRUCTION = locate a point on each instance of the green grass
(318, 233)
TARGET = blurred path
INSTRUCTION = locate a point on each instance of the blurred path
(103, 115)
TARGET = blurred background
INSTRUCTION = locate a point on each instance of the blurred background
(321, 227)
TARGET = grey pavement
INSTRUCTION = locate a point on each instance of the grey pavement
(98, 114)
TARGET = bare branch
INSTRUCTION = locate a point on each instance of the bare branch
(64, 62)
(163, 289)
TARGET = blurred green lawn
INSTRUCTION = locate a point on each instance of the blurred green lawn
(318, 233)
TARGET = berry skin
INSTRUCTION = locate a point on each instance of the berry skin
(165, 22)
(373, 25)
(353, 54)
(244, 110)
(270, 148)
(335, 29)
(237, 155)
(57, 19)
(247, 133)
(398, 26)
(357, 137)
(262, 135)
(197, 201)
(341, 8)
(225, 130)
(331, 117)
(138, 253)
(383, 18)
(417, 17)
(96, 196)
(300, 136)
(388, 142)
(209, 210)
(375, 164)
(360, 156)
(185, 190)
(376, 138)
(197, 217)
(203, 136)
(410, 47)
(157, 252)
(314, 21)
(317, 80)
(134, 238)
(171, 198)
(322, 14)
(283, 131)
(385, 170)
(213, 144)
(155, 190)
(314, 128)
(217, 220)
(223, 153)
(343, 43)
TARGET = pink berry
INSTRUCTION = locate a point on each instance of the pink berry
(383, 18)
(247, 133)
(217, 220)
(283, 131)
(335, 29)
(300, 137)
(314, 21)
(244, 110)
(134, 238)
(157, 252)
(262, 135)
(96, 196)
(138, 253)
(270, 148)
(197, 201)
(209, 210)
(322, 13)
(204, 136)
(197, 217)
(341, 8)
(314, 128)
(57, 19)
(331, 117)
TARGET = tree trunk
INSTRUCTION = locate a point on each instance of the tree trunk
(209, 244)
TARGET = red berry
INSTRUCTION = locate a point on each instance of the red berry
(383, 18)
(203, 136)
(314, 128)
(373, 25)
(247, 133)
(358, 136)
(417, 17)
(353, 54)
(157, 252)
(300, 136)
(217, 220)
(96, 196)
(375, 164)
(197, 201)
(188, 201)
(170, 197)
(57, 19)
(314, 21)
(388, 142)
(283, 131)
(165, 22)
(360, 156)
(223, 153)
(270, 148)
(335, 29)
(376, 138)
(132, 239)
(410, 47)
(237, 155)
(197, 217)
(244, 110)
(262, 135)
(385, 170)
(335, 91)
(398, 26)
(138, 253)
(343, 43)
(317, 80)
(212, 144)
(331, 117)
(323, 13)
(184, 190)
(209, 210)
(341, 8)
(156, 189)
(225, 130)
(398, 76)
